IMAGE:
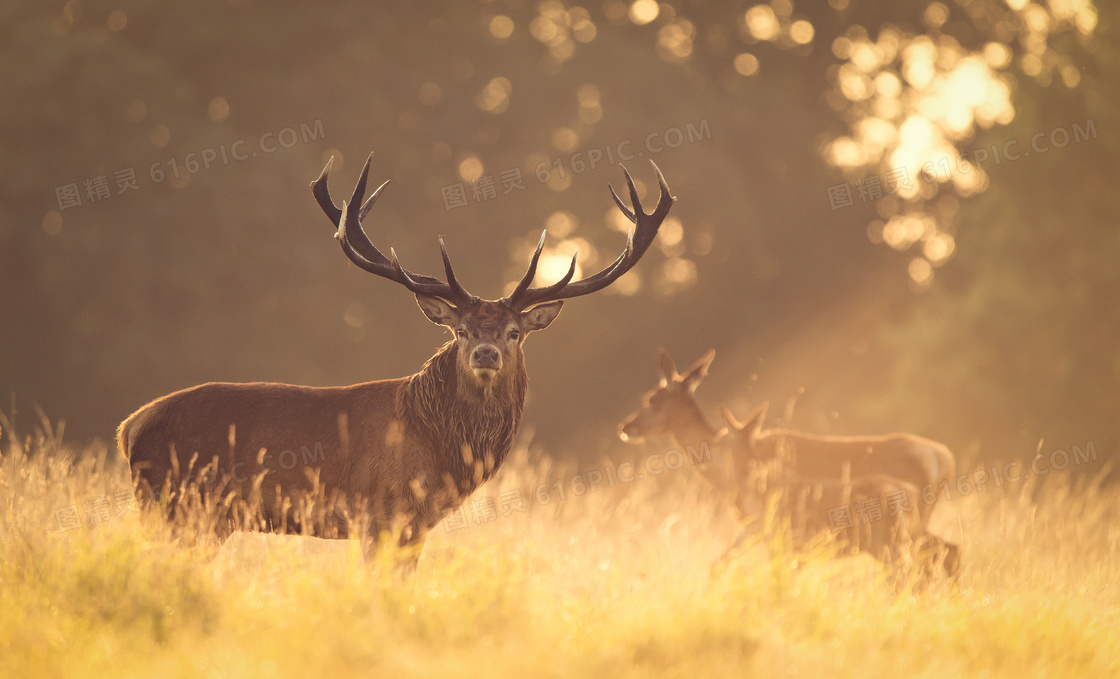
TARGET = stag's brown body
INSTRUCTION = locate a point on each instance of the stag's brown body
(414, 446)
(402, 452)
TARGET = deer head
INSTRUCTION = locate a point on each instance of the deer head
(488, 333)
(670, 408)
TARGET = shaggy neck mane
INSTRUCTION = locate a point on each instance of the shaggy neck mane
(457, 417)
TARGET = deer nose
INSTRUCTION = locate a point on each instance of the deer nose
(626, 429)
(486, 357)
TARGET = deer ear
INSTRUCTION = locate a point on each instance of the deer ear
(698, 370)
(732, 423)
(438, 311)
(667, 367)
(754, 420)
(541, 316)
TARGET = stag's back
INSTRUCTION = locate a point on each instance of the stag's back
(277, 429)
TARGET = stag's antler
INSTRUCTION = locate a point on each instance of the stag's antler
(358, 247)
(637, 242)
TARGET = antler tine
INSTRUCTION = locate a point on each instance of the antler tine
(323, 195)
(352, 212)
(646, 226)
(361, 251)
(630, 214)
(449, 271)
(360, 187)
(537, 295)
(665, 198)
(638, 241)
(371, 200)
(559, 285)
(665, 201)
(426, 285)
(530, 273)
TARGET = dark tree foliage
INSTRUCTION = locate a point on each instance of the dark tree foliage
(228, 270)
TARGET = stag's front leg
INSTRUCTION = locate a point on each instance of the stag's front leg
(410, 547)
(402, 541)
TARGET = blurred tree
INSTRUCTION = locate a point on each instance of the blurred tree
(228, 273)
(1019, 343)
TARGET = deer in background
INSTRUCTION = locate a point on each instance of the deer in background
(906, 457)
(856, 486)
(408, 450)
(671, 410)
(870, 514)
(749, 464)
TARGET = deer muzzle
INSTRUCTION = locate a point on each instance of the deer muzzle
(486, 361)
(628, 430)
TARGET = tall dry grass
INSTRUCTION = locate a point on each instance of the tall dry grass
(615, 582)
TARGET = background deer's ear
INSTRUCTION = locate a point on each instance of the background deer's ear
(438, 311)
(698, 370)
(667, 367)
(732, 423)
(754, 420)
(541, 316)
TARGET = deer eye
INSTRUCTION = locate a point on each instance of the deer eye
(461, 334)
(514, 334)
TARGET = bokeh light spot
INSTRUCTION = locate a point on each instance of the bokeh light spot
(494, 98)
(746, 64)
(430, 94)
(160, 136)
(501, 27)
(561, 224)
(921, 272)
(218, 109)
(117, 21)
(762, 23)
(470, 168)
(801, 32)
(644, 11)
(52, 223)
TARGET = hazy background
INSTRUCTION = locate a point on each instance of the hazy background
(975, 306)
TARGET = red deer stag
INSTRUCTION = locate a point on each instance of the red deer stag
(410, 449)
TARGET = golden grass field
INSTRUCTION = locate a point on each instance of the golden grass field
(614, 583)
